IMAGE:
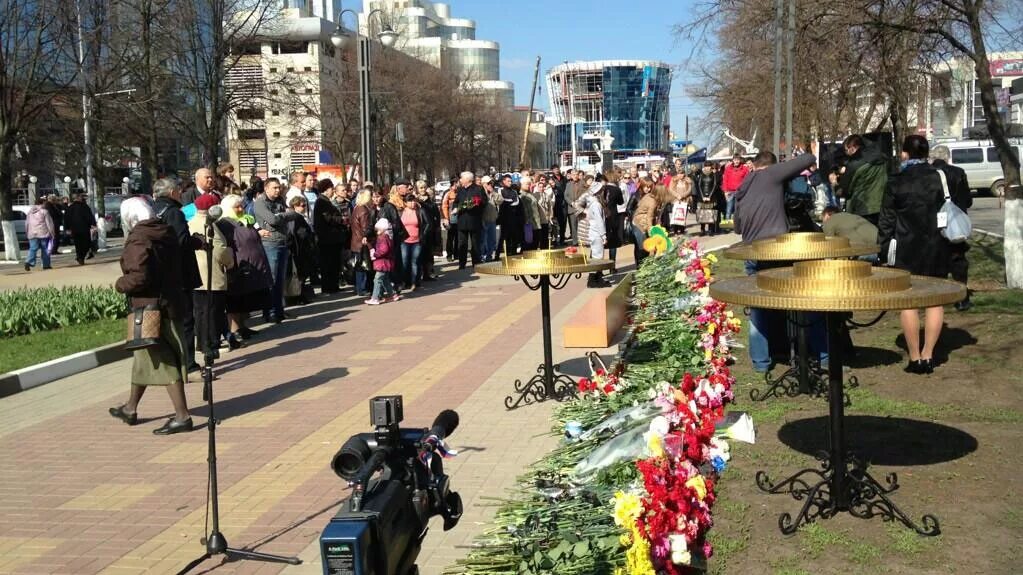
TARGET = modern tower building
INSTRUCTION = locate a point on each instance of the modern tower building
(627, 99)
(427, 31)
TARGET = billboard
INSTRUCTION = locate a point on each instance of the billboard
(1013, 67)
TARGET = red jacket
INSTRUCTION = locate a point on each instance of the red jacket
(733, 177)
(382, 260)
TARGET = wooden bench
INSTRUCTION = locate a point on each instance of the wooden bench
(597, 322)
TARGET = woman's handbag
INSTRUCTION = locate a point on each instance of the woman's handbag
(144, 327)
(679, 212)
(706, 213)
(953, 222)
(293, 284)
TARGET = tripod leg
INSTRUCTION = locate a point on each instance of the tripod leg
(243, 554)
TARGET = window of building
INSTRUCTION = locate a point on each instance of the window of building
(250, 114)
(293, 134)
(273, 91)
(291, 69)
(251, 134)
(968, 156)
(308, 90)
(310, 133)
(308, 68)
(277, 134)
(273, 70)
(293, 113)
(291, 48)
(277, 155)
(275, 113)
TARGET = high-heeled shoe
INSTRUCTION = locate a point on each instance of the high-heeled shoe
(174, 426)
(120, 413)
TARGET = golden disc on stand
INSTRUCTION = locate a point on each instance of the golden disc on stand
(544, 262)
(837, 285)
(798, 246)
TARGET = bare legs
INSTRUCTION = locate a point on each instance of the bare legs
(176, 391)
(934, 318)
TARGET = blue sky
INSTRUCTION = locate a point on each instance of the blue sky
(582, 30)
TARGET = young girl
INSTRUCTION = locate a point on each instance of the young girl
(596, 233)
(383, 264)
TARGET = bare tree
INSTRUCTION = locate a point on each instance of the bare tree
(34, 45)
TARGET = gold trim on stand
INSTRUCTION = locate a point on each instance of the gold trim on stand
(544, 262)
(837, 285)
(798, 246)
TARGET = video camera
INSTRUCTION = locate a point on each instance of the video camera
(380, 528)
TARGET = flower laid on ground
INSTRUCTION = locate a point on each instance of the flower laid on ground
(632, 487)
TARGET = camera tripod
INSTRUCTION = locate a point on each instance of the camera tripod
(216, 543)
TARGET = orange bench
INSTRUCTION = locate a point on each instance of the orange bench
(597, 322)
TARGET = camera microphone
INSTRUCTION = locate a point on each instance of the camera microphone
(445, 424)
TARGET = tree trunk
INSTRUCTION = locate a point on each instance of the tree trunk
(1013, 241)
(11, 248)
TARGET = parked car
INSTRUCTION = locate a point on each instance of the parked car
(979, 159)
(20, 215)
(112, 207)
(439, 189)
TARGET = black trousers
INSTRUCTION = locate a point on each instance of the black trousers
(452, 243)
(958, 265)
(562, 219)
(210, 320)
(330, 267)
(188, 323)
(83, 243)
(468, 241)
(510, 240)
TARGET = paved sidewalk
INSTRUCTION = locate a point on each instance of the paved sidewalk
(82, 493)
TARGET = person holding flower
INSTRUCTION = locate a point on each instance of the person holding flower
(469, 206)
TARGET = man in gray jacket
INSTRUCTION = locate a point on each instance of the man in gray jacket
(574, 189)
(759, 214)
(272, 218)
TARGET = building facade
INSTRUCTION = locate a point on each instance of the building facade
(953, 97)
(427, 31)
(627, 99)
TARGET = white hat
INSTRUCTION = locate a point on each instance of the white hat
(382, 224)
(486, 180)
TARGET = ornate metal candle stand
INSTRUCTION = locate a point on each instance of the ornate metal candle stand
(833, 287)
(803, 376)
(543, 270)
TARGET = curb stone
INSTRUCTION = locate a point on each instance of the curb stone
(42, 373)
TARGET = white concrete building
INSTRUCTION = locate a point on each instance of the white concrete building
(953, 98)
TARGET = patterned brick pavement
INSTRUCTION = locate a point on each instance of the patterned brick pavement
(82, 493)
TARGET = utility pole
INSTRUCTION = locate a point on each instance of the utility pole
(790, 42)
(529, 116)
(779, 11)
(90, 175)
(571, 112)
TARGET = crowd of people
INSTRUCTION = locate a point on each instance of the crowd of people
(868, 200)
(57, 220)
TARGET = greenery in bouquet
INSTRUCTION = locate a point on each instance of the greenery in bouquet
(631, 488)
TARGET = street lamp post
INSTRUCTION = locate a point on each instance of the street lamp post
(339, 39)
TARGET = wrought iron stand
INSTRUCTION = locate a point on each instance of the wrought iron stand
(842, 483)
(545, 384)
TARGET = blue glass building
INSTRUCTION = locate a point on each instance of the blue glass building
(629, 98)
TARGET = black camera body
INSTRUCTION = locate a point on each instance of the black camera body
(380, 528)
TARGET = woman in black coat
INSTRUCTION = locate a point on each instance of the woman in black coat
(911, 240)
(249, 281)
(330, 237)
(708, 195)
(613, 224)
(302, 245)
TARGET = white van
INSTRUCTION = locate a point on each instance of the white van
(979, 159)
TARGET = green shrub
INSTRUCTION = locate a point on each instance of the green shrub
(41, 309)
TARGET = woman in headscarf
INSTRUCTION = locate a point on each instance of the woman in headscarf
(249, 281)
(151, 267)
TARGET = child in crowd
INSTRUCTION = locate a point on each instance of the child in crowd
(383, 264)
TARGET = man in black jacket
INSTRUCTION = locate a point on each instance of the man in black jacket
(331, 236)
(167, 205)
(959, 190)
(470, 203)
(80, 221)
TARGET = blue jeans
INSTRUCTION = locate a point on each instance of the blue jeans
(279, 259)
(729, 205)
(40, 245)
(759, 328)
(360, 281)
(410, 259)
(489, 236)
(382, 285)
(637, 249)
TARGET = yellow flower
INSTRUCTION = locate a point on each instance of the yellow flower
(655, 444)
(713, 258)
(712, 327)
(699, 485)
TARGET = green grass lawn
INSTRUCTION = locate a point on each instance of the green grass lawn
(25, 350)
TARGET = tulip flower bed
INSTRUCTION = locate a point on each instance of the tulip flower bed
(631, 489)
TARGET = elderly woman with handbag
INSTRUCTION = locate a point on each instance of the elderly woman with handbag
(151, 268)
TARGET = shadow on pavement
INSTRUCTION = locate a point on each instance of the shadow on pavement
(237, 406)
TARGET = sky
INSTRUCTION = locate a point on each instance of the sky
(560, 30)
